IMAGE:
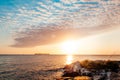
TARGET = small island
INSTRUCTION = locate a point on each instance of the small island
(42, 54)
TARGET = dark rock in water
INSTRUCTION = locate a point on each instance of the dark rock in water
(72, 70)
(75, 69)
(73, 74)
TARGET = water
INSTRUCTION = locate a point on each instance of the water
(37, 67)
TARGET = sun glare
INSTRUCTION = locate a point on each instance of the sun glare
(69, 59)
(69, 47)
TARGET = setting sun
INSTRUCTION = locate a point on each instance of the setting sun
(69, 47)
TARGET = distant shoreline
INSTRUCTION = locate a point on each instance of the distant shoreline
(50, 55)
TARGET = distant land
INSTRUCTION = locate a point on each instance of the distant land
(41, 54)
(51, 54)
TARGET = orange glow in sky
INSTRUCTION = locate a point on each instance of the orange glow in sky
(69, 47)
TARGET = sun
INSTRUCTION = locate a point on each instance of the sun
(69, 47)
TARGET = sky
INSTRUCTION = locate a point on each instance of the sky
(40, 26)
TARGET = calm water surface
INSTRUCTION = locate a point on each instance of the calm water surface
(37, 67)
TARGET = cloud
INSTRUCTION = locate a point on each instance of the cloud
(45, 36)
(66, 30)
(50, 22)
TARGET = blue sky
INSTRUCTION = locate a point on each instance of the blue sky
(30, 23)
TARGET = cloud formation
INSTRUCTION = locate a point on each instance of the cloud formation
(53, 21)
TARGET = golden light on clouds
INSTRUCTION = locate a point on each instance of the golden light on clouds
(93, 22)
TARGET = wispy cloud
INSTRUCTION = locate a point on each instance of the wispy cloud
(46, 22)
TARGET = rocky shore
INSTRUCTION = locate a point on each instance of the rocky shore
(92, 70)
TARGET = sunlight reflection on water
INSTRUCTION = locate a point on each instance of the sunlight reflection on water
(69, 59)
